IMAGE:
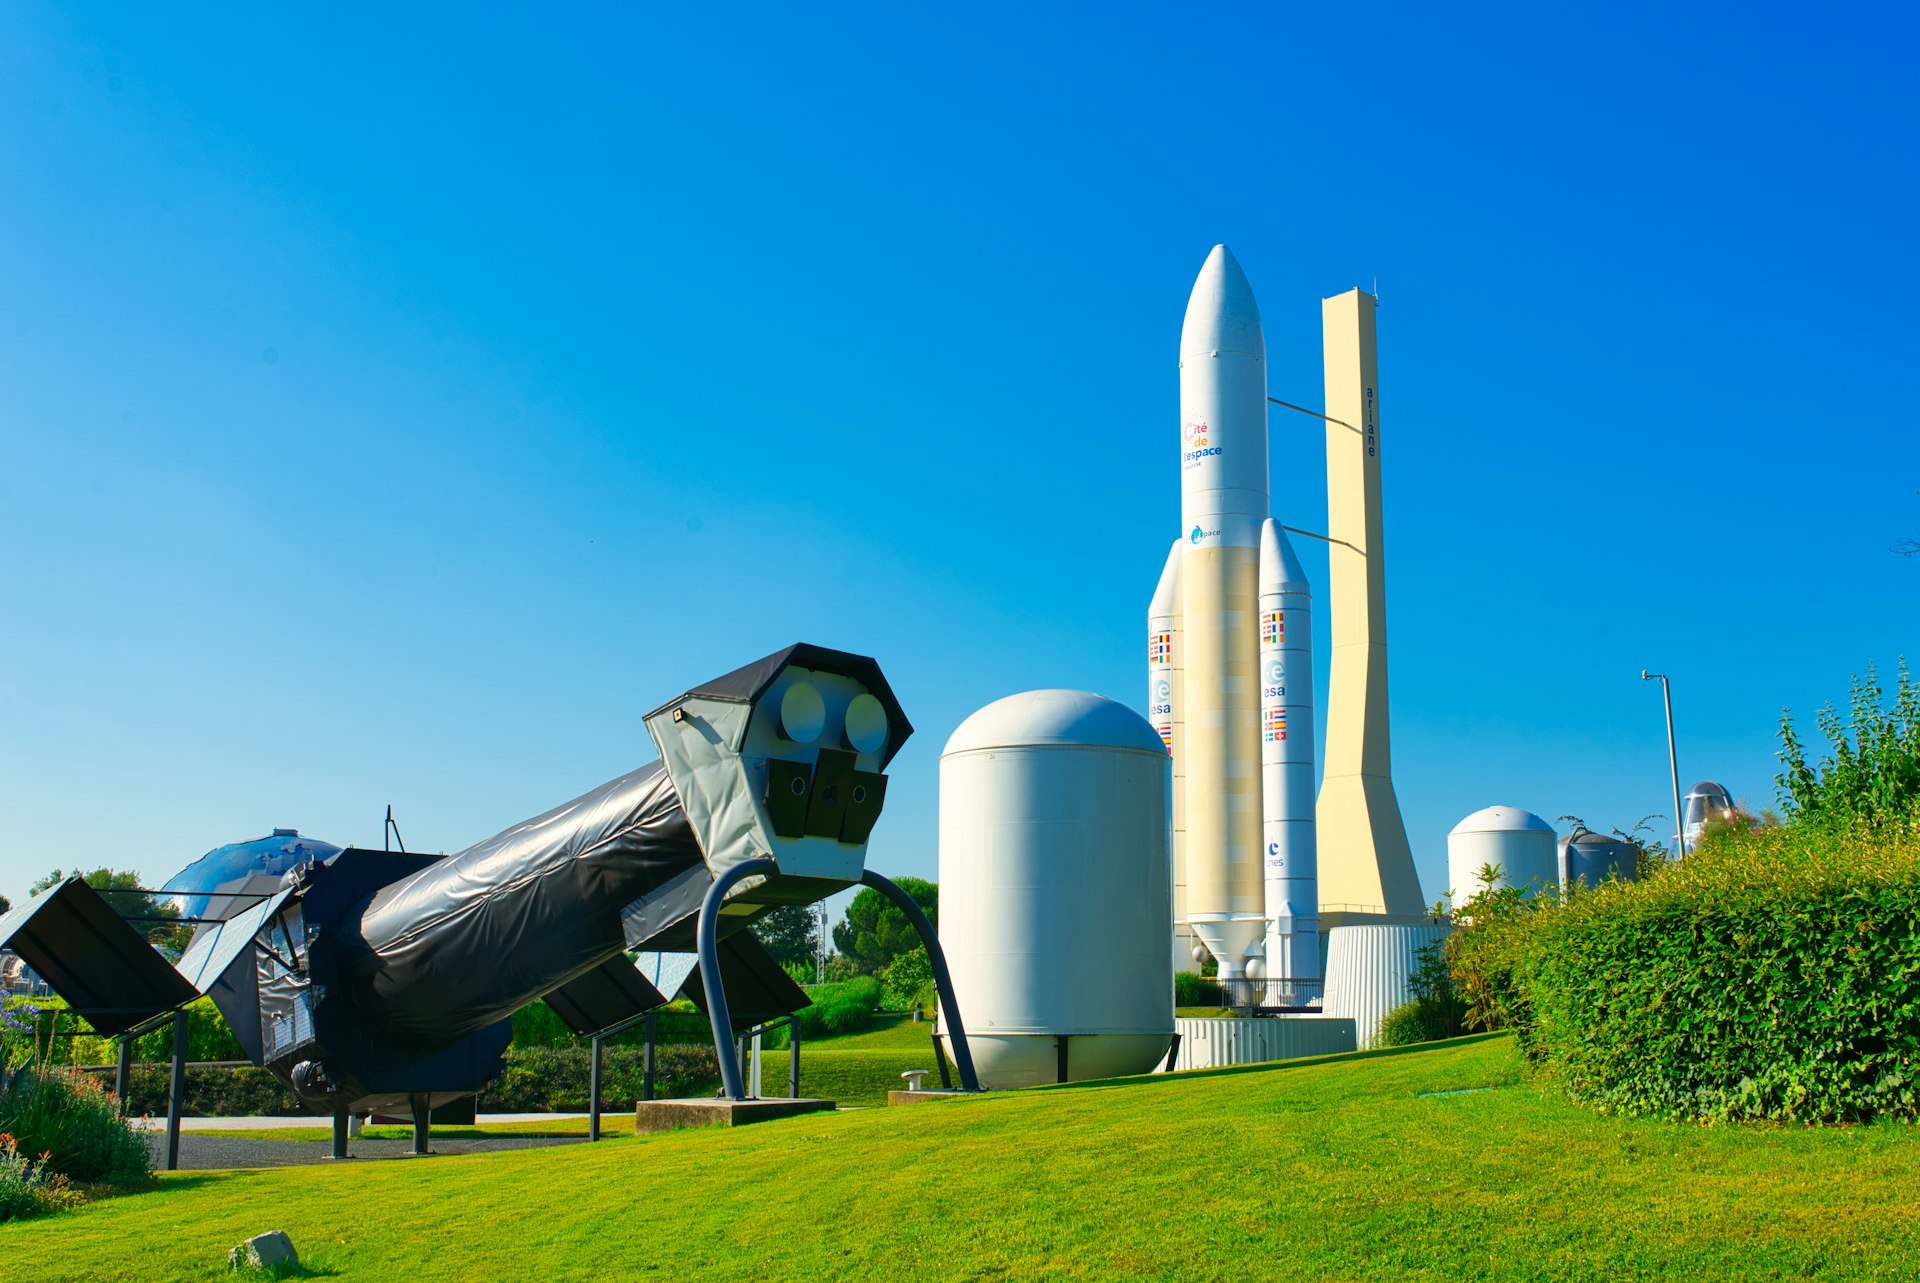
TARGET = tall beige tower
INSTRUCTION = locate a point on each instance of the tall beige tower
(1366, 867)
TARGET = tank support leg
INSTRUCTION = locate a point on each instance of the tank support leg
(942, 981)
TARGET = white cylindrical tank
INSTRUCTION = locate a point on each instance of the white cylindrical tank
(1520, 843)
(1056, 903)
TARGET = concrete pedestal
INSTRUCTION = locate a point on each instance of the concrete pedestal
(672, 1115)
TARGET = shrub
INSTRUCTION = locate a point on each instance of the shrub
(74, 1122)
(1434, 1012)
(902, 983)
(1871, 774)
(213, 1091)
(27, 1188)
(841, 1007)
(1773, 974)
(208, 1037)
(558, 1079)
(1190, 989)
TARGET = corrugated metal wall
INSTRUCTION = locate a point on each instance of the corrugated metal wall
(1211, 1043)
(1369, 969)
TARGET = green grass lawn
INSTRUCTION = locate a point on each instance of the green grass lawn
(1338, 1168)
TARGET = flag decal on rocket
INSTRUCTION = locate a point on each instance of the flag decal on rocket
(1160, 649)
(1276, 725)
(1273, 628)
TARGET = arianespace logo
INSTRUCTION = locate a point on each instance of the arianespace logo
(1194, 435)
(1200, 536)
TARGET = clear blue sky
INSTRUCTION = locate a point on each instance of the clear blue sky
(395, 403)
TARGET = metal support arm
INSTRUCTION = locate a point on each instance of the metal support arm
(942, 981)
(708, 943)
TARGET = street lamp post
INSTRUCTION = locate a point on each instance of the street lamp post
(1673, 760)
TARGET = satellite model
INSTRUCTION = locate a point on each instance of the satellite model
(376, 980)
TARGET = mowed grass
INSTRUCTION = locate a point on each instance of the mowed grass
(1336, 1168)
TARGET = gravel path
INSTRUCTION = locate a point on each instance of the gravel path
(204, 1153)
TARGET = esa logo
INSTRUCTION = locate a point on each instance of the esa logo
(1276, 675)
(1273, 854)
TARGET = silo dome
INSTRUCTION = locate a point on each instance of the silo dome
(1056, 898)
(1587, 857)
(1519, 842)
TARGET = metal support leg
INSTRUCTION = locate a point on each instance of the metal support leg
(942, 980)
(793, 1057)
(1173, 1053)
(177, 1090)
(708, 940)
(1060, 1058)
(940, 1059)
(422, 1124)
(339, 1136)
(593, 1094)
(123, 1072)
(647, 1081)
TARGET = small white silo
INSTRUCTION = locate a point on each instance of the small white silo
(1522, 844)
(1056, 895)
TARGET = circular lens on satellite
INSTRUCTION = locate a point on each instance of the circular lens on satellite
(803, 714)
(866, 724)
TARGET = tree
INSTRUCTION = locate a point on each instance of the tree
(790, 932)
(874, 932)
(131, 901)
(5, 904)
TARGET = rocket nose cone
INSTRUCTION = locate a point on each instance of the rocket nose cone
(1221, 313)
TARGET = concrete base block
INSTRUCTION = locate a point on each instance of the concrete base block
(672, 1115)
(920, 1097)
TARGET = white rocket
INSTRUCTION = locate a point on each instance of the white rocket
(1230, 673)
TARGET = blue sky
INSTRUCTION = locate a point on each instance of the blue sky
(395, 405)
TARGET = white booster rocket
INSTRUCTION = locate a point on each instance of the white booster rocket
(1230, 665)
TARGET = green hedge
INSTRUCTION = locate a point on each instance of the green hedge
(1773, 974)
(557, 1079)
(208, 1037)
(840, 1007)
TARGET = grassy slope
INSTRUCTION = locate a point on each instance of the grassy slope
(1330, 1169)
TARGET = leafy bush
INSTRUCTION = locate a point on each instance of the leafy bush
(1773, 974)
(1190, 989)
(27, 1187)
(874, 932)
(905, 979)
(76, 1123)
(208, 1037)
(1871, 775)
(840, 1007)
(1434, 1012)
(536, 1025)
(558, 1079)
(213, 1091)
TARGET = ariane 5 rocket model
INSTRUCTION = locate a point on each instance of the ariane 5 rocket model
(1230, 667)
